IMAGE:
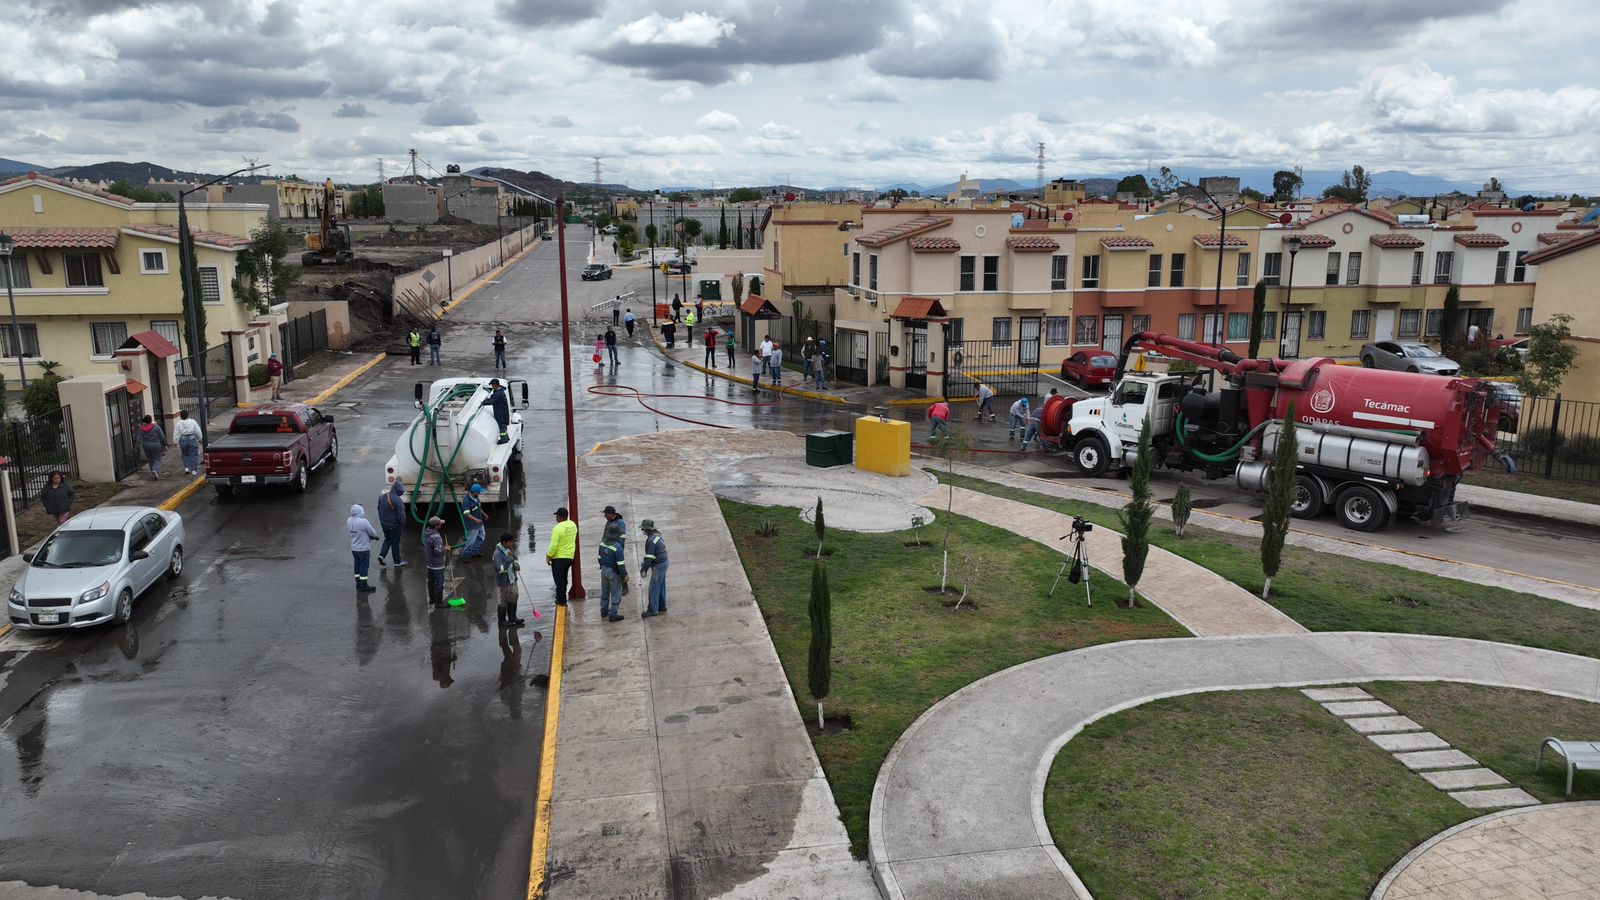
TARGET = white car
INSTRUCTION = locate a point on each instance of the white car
(92, 568)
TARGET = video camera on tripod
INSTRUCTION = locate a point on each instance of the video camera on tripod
(1079, 562)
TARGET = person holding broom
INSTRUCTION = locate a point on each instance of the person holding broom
(506, 569)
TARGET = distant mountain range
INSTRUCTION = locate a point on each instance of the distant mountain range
(12, 166)
(550, 186)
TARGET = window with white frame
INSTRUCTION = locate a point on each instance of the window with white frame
(1334, 268)
(1211, 327)
(1269, 326)
(1502, 263)
(1059, 270)
(1178, 266)
(1186, 325)
(83, 270)
(29, 340)
(18, 264)
(1272, 268)
(1416, 267)
(1360, 324)
(991, 273)
(108, 336)
(153, 262)
(1091, 272)
(872, 272)
(1154, 277)
(1353, 270)
(1141, 323)
(1238, 326)
(1433, 321)
(210, 285)
(1002, 331)
(969, 274)
(1058, 331)
(1410, 323)
(1087, 330)
(167, 328)
(1519, 272)
(1317, 325)
(1243, 277)
(1524, 320)
(1444, 262)
(855, 269)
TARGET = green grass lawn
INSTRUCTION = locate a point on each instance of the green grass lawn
(1582, 491)
(1327, 592)
(897, 649)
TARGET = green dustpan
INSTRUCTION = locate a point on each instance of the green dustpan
(456, 601)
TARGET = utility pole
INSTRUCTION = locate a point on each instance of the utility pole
(1038, 176)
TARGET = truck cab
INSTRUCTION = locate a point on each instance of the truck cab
(1104, 431)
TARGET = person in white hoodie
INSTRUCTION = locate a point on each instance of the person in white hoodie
(361, 535)
(187, 431)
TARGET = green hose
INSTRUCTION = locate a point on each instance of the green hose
(443, 491)
(1228, 455)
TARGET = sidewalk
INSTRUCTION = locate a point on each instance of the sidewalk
(683, 768)
(1518, 503)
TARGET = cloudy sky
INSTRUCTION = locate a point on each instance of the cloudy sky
(815, 92)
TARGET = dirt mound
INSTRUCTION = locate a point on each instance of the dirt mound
(367, 287)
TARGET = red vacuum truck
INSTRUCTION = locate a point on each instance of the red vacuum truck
(1372, 444)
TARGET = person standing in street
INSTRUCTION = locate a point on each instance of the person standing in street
(392, 519)
(506, 568)
(757, 366)
(188, 434)
(677, 307)
(611, 344)
(776, 362)
(154, 443)
(435, 554)
(655, 562)
(699, 308)
(57, 496)
(711, 347)
(499, 349)
(563, 548)
(729, 344)
(985, 401)
(275, 376)
(690, 319)
(819, 368)
(627, 322)
(613, 573)
(1019, 419)
(473, 514)
(500, 403)
(435, 342)
(361, 535)
(615, 518)
(414, 342)
(600, 351)
(938, 420)
(766, 347)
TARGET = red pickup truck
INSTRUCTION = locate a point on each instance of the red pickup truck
(277, 443)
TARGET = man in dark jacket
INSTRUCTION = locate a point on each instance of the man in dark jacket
(435, 553)
(435, 341)
(613, 573)
(611, 344)
(392, 519)
(501, 405)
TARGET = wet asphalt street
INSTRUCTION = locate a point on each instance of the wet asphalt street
(258, 730)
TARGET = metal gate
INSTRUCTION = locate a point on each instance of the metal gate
(36, 447)
(1111, 341)
(299, 339)
(1291, 335)
(1028, 350)
(850, 361)
(999, 364)
(221, 392)
(917, 362)
(123, 411)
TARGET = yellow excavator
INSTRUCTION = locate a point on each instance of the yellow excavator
(331, 244)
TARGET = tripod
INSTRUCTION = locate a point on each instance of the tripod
(1079, 563)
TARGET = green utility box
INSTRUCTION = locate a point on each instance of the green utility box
(830, 448)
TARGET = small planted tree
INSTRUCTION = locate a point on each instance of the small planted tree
(822, 528)
(819, 663)
(1280, 497)
(917, 521)
(1550, 356)
(1450, 326)
(1136, 517)
(1182, 505)
(956, 442)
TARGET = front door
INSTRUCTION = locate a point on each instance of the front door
(1291, 335)
(1111, 342)
(1028, 349)
(1383, 325)
(122, 412)
(917, 363)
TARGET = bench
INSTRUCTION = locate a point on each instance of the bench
(1581, 756)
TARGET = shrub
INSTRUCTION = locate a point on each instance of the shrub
(1581, 449)
(1537, 441)
(1178, 366)
(42, 396)
(258, 375)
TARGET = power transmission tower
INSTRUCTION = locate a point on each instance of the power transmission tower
(413, 165)
(596, 170)
(380, 172)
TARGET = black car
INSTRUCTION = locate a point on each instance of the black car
(596, 272)
(677, 267)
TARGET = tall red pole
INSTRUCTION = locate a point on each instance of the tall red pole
(576, 592)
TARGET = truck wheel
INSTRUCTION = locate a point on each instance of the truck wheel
(1091, 456)
(298, 485)
(333, 449)
(1306, 501)
(224, 489)
(1361, 508)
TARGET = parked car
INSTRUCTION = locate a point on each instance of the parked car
(1089, 368)
(546, 236)
(277, 443)
(677, 267)
(1518, 346)
(596, 272)
(1407, 356)
(609, 229)
(1510, 405)
(93, 568)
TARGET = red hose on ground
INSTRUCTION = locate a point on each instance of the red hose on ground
(623, 390)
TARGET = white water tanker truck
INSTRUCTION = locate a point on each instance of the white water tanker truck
(454, 442)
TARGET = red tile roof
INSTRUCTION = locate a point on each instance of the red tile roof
(214, 238)
(918, 308)
(903, 230)
(1032, 242)
(1397, 241)
(1556, 237)
(93, 192)
(935, 244)
(65, 238)
(1210, 240)
(759, 307)
(1480, 239)
(1126, 242)
(1562, 248)
(1315, 241)
(1369, 213)
(153, 342)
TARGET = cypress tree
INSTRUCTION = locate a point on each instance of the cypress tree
(1280, 497)
(819, 666)
(822, 529)
(1136, 516)
(1258, 312)
(722, 230)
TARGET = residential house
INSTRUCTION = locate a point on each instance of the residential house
(806, 249)
(1568, 267)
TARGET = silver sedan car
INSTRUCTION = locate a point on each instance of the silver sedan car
(1407, 356)
(92, 568)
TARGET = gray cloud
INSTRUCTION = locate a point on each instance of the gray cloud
(450, 112)
(537, 13)
(238, 119)
(1357, 23)
(353, 111)
(559, 121)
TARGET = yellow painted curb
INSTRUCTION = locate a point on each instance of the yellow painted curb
(5, 629)
(467, 294)
(344, 382)
(539, 864)
(183, 494)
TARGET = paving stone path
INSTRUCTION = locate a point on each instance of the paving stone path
(1520, 854)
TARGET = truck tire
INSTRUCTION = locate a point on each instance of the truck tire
(224, 490)
(301, 478)
(1306, 502)
(1092, 456)
(1361, 508)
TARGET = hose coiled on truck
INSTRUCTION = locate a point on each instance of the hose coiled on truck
(443, 491)
(1228, 455)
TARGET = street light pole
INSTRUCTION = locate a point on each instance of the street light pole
(576, 592)
(652, 238)
(1293, 242)
(6, 243)
(1222, 247)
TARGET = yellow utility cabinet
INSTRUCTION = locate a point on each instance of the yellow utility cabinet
(883, 446)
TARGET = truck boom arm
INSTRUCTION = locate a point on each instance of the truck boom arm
(1220, 359)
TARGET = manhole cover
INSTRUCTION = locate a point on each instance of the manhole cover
(614, 459)
(397, 424)
(610, 829)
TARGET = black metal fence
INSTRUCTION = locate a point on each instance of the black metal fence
(221, 390)
(1007, 367)
(1555, 438)
(299, 339)
(36, 447)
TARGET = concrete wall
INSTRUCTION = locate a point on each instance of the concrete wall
(338, 312)
(411, 204)
(264, 194)
(413, 291)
